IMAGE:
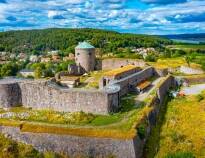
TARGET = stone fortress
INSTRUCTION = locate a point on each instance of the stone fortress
(127, 75)
(47, 94)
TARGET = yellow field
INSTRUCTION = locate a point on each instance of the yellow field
(173, 63)
(184, 127)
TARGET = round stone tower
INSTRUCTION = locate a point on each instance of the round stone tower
(85, 56)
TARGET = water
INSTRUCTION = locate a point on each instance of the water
(187, 41)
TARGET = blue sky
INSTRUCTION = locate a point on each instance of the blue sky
(133, 16)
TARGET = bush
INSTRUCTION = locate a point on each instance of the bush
(141, 131)
(151, 58)
(200, 97)
(180, 155)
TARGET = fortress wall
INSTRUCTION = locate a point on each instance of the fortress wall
(134, 79)
(117, 63)
(77, 146)
(165, 86)
(196, 79)
(10, 95)
(39, 95)
(91, 146)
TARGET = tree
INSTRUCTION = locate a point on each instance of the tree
(38, 72)
(188, 60)
(9, 69)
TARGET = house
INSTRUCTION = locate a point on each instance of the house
(56, 58)
(45, 59)
(53, 52)
(22, 57)
(34, 58)
(143, 51)
(12, 56)
(71, 56)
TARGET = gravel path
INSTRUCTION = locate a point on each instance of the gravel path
(194, 89)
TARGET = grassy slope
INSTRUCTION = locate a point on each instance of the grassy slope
(173, 63)
(182, 132)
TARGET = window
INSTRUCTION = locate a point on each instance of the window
(78, 54)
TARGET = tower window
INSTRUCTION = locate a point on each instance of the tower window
(78, 54)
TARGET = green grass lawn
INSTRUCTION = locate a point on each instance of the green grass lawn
(77, 118)
(91, 80)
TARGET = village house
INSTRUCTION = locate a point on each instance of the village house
(143, 51)
(45, 59)
(34, 58)
(22, 57)
(56, 58)
(53, 52)
(71, 56)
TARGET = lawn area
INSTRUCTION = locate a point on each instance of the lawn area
(92, 79)
(121, 125)
(127, 111)
(182, 134)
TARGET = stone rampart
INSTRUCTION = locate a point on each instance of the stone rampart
(10, 93)
(190, 71)
(45, 95)
(116, 63)
(164, 87)
(90, 146)
(76, 146)
(195, 79)
(133, 79)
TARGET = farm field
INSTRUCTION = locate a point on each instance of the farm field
(188, 47)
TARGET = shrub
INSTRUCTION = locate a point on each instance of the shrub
(177, 137)
(200, 97)
(151, 58)
(141, 131)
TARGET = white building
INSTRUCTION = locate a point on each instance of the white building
(34, 58)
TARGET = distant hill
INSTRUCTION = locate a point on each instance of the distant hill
(36, 41)
(188, 37)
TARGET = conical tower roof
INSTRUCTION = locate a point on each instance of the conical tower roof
(84, 45)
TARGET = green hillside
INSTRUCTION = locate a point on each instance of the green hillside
(66, 39)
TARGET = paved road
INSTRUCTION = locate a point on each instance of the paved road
(194, 89)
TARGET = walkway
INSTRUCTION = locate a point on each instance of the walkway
(194, 89)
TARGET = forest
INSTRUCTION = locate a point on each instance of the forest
(39, 41)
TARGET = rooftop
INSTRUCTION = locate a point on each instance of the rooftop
(84, 45)
(120, 70)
